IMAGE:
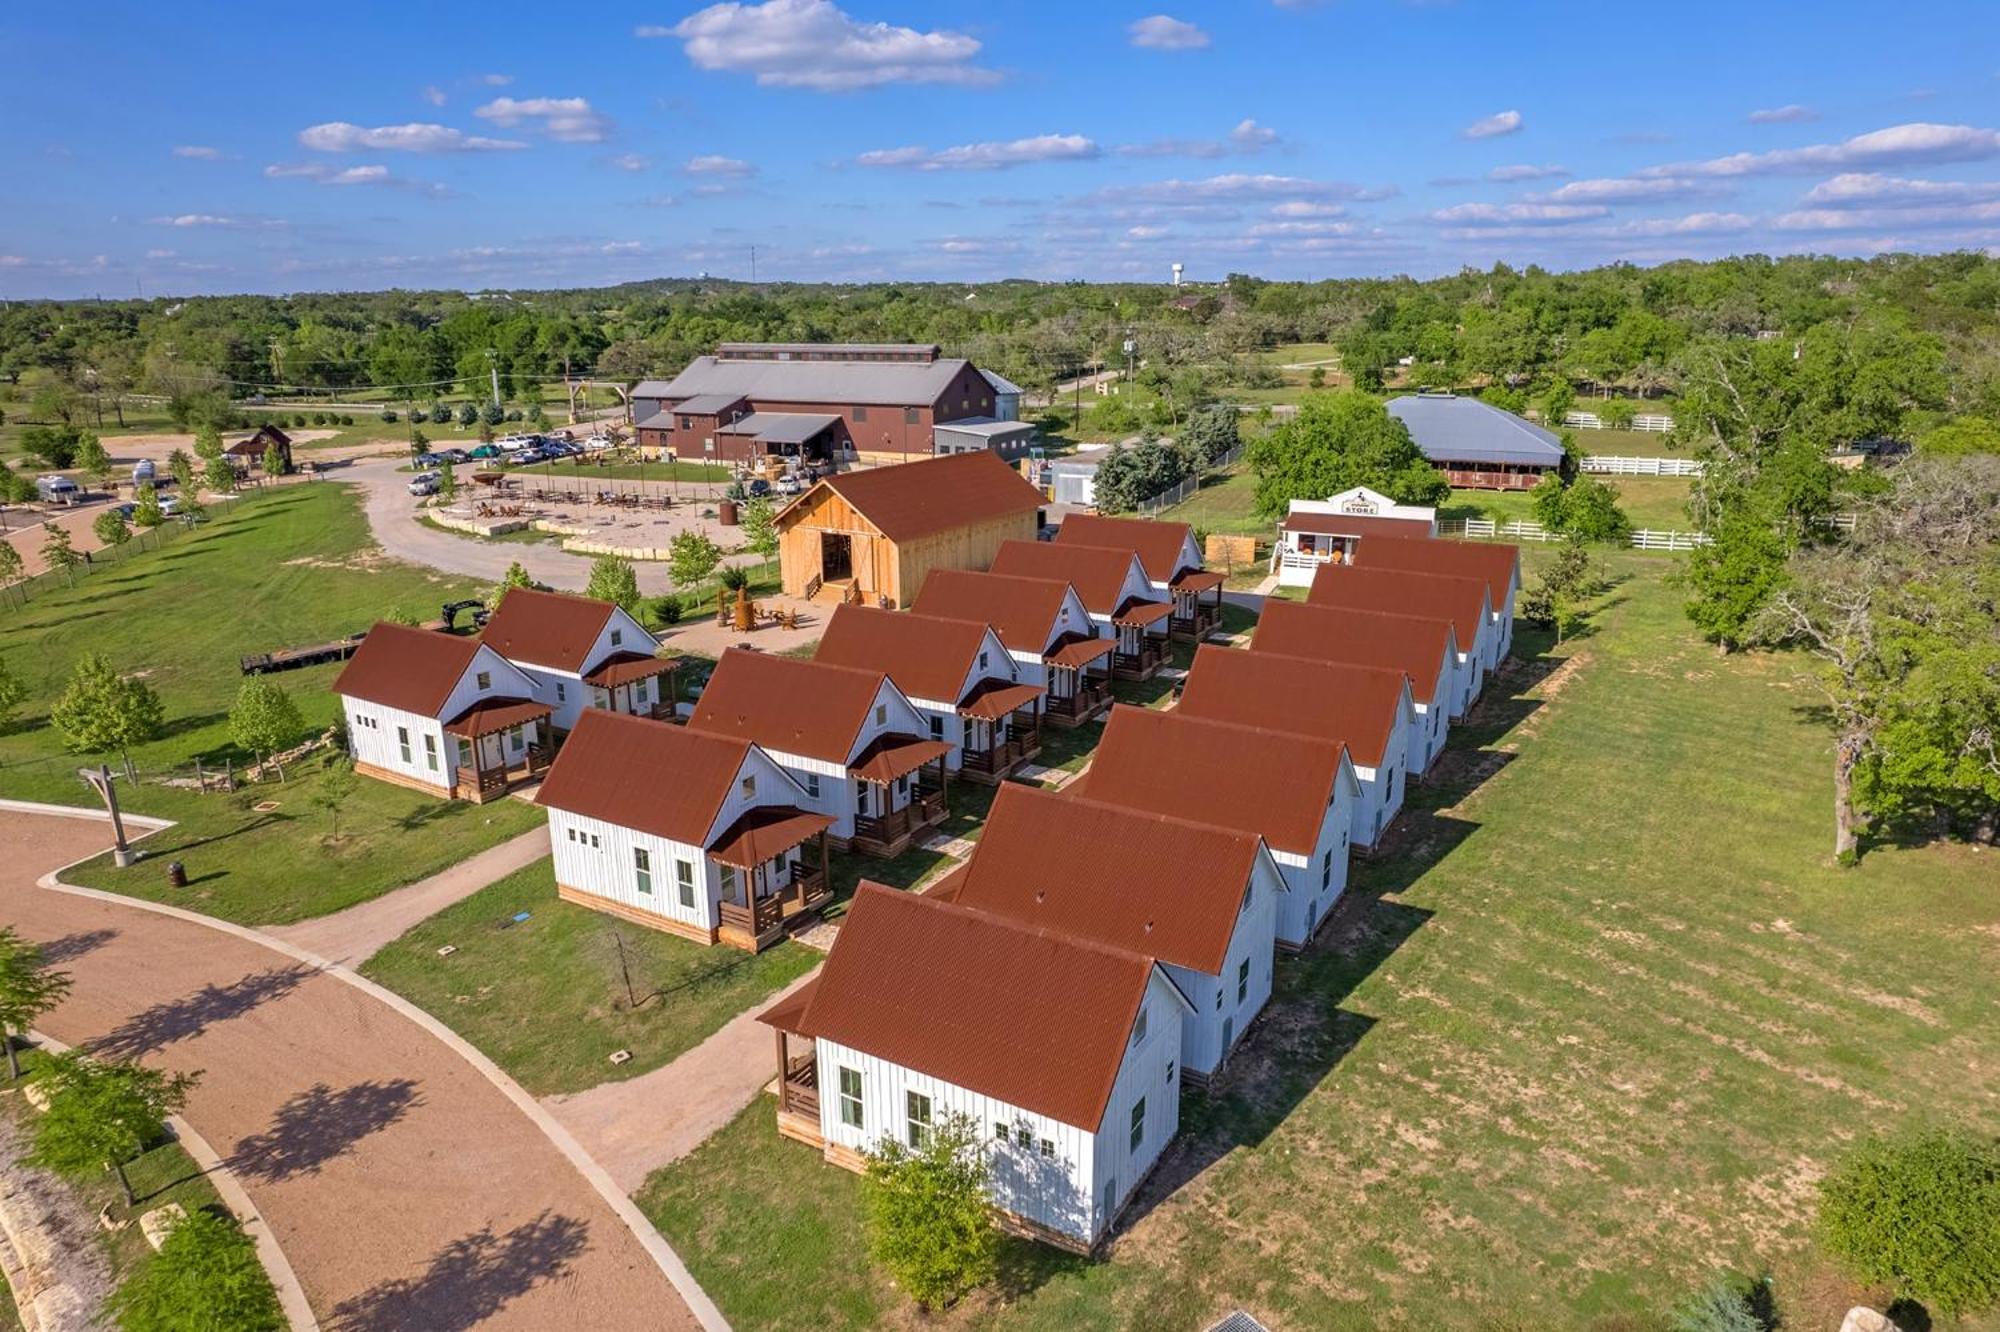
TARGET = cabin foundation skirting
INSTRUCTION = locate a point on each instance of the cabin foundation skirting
(437, 789)
(664, 924)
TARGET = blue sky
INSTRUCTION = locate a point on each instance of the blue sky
(280, 148)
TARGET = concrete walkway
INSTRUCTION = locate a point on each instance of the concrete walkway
(409, 1182)
(633, 1128)
(353, 936)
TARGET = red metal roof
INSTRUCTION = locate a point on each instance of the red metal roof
(1405, 592)
(546, 628)
(917, 499)
(648, 775)
(1358, 525)
(1097, 573)
(765, 833)
(495, 714)
(1166, 887)
(926, 656)
(810, 708)
(990, 699)
(1158, 545)
(1276, 784)
(1333, 700)
(891, 756)
(625, 667)
(1028, 1016)
(412, 670)
(1408, 643)
(1022, 611)
(1499, 565)
(1079, 652)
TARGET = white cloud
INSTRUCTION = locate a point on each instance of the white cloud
(1858, 189)
(434, 94)
(564, 119)
(1526, 171)
(714, 164)
(1525, 214)
(985, 156)
(339, 136)
(1248, 138)
(629, 161)
(197, 151)
(322, 174)
(1302, 208)
(1625, 189)
(815, 44)
(1296, 229)
(1235, 187)
(157, 254)
(1493, 126)
(1145, 233)
(1892, 218)
(1161, 32)
(1692, 224)
(496, 80)
(1790, 114)
(220, 221)
(1898, 145)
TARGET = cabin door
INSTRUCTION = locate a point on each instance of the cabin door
(836, 556)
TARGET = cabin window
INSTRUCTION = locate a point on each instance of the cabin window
(464, 753)
(1170, 1072)
(431, 752)
(562, 692)
(1243, 980)
(517, 737)
(684, 881)
(403, 741)
(1326, 870)
(1023, 1138)
(483, 680)
(937, 727)
(812, 784)
(642, 870)
(917, 1110)
(1110, 1197)
(1048, 1149)
(595, 844)
(617, 637)
(982, 660)
(640, 691)
(999, 1131)
(1249, 895)
(1138, 1122)
(881, 714)
(1139, 1027)
(749, 786)
(728, 883)
(850, 1096)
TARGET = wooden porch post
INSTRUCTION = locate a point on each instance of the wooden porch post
(784, 1088)
(825, 864)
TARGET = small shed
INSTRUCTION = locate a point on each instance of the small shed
(1009, 439)
(872, 535)
(252, 447)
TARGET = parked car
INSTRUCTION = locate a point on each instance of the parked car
(561, 448)
(143, 470)
(757, 487)
(169, 505)
(522, 457)
(791, 483)
(595, 442)
(430, 459)
(125, 510)
(454, 455)
(424, 483)
(484, 452)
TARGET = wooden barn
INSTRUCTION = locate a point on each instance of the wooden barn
(871, 536)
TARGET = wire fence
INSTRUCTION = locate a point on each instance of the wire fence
(144, 540)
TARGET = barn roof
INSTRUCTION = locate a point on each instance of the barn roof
(1277, 784)
(648, 775)
(1158, 545)
(412, 670)
(1449, 428)
(1022, 611)
(869, 383)
(910, 500)
(810, 708)
(1405, 592)
(1028, 1016)
(1096, 572)
(1411, 644)
(707, 404)
(1166, 887)
(1499, 565)
(927, 657)
(1334, 700)
(546, 628)
(779, 427)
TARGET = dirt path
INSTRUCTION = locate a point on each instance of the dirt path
(58, 1273)
(404, 1181)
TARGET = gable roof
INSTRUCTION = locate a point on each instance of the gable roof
(872, 383)
(1158, 545)
(650, 775)
(1277, 784)
(1448, 428)
(1334, 700)
(811, 708)
(1499, 565)
(1028, 1016)
(1096, 572)
(412, 670)
(1408, 643)
(1405, 592)
(1022, 611)
(916, 499)
(1165, 887)
(1355, 524)
(546, 628)
(927, 657)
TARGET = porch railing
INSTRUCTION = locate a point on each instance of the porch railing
(762, 916)
(1085, 700)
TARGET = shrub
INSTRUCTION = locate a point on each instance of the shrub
(928, 1222)
(1725, 1304)
(667, 610)
(492, 414)
(205, 1275)
(467, 414)
(298, 420)
(1617, 413)
(1919, 1212)
(514, 414)
(389, 416)
(319, 418)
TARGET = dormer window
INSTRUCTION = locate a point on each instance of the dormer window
(617, 637)
(749, 785)
(881, 714)
(483, 680)
(982, 660)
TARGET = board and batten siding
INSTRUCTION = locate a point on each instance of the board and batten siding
(565, 690)
(1316, 881)
(1078, 1187)
(596, 858)
(373, 738)
(1220, 1018)
(941, 718)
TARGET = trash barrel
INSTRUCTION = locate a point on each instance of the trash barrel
(177, 875)
(726, 513)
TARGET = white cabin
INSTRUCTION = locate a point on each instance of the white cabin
(581, 652)
(1046, 629)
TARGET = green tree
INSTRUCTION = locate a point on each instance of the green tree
(264, 719)
(1585, 509)
(1963, 435)
(337, 785)
(516, 576)
(1563, 589)
(146, 506)
(55, 445)
(14, 488)
(1920, 1213)
(28, 989)
(59, 552)
(207, 443)
(206, 1276)
(613, 579)
(13, 689)
(10, 564)
(1337, 441)
(92, 459)
(1730, 579)
(219, 475)
(273, 461)
(102, 1114)
(111, 529)
(691, 559)
(101, 711)
(929, 1224)
(760, 528)
(181, 468)
(1211, 433)
(448, 483)
(1616, 413)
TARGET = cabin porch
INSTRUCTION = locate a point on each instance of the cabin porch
(766, 890)
(501, 746)
(798, 1089)
(1002, 730)
(1077, 693)
(900, 787)
(1194, 618)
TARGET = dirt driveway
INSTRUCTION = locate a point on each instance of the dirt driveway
(406, 1189)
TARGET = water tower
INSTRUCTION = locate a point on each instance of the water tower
(1178, 268)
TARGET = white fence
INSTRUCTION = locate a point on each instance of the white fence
(1612, 465)
(1653, 423)
(1486, 529)
(1649, 540)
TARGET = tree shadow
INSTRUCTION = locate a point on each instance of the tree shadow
(182, 848)
(470, 1280)
(320, 1124)
(183, 1019)
(72, 946)
(193, 722)
(422, 816)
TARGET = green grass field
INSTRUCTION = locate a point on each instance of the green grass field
(1589, 1032)
(290, 566)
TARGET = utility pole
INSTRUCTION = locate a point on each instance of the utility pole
(493, 369)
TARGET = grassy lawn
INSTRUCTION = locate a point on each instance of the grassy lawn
(584, 472)
(289, 566)
(1626, 443)
(1591, 1030)
(545, 998)
(1657, 502)
(1225, 506)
